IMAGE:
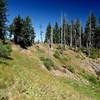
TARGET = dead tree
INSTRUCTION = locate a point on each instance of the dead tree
(61, 33)
(80, 35)
(51, 38)
(71, 38)
(50, 43)
(89, 44)
(64, 31)
(41, 34)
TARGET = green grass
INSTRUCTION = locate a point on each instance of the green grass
(25, 79)
(62, 58)
(94, 53)
(71, 68)
(48, 63)
(88, 90)
(90, 77)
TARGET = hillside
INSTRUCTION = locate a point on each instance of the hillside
(36, 74)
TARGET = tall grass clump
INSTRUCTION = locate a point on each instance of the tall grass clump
(48, 63)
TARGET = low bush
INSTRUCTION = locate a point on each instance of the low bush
(59, 47)
(71, 68)
(94, 53)
(5, 50)
(49, 64)
(91, 78)
(57, 54)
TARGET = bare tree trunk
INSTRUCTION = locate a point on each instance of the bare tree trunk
(90, 37)
(75, 42)
(41, 34)
(61, 34)
(50, 43)
(51, 40)
(64, 37)
(80, 36)
(71, 36)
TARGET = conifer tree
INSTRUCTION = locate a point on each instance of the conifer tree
(3, 18)
(48, 32)
(90, 32)
(56, 33)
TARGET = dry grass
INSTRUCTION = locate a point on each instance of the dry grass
(25, 79)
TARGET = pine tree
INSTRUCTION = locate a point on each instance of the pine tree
(97, 35)
(71, 35)
(91, 26)
(32, 35)
(3, 19)
(18, 24)
(56, 33)
(28, 32)
(74, 42)
(65, 30)
(90, 32)
(11, 30)
(78, 31)
(23, 31)
(48, 32)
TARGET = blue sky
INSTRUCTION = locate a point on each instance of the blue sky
(43, 11)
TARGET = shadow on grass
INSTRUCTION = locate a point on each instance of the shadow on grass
(4, 60)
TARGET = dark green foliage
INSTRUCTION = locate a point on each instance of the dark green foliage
(28, 32)
(91, 78)
(48, 32)
(49, 64)
(56, 33)
(94, 53)
(90, 37)
(71, 68)
(3, 19)
(97, 36)
(77, 33)
(62, 58)
(23, 31)
(16, 28)
(5, 51)
(57, 54)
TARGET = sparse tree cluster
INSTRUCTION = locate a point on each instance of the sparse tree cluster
(3, 19)
(23, 31)
(72, 34)
(75, 35)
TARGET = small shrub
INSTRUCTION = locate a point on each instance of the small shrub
(94, 53)
(59, 47)
(71, 48)
(78, 57)
(91, 78)
(5, 51)
(71, 68)
(57, 54)
(66, 58)
(48, 63)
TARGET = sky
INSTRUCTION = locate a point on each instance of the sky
(42, 12)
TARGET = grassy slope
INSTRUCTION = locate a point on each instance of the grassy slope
(23, 78)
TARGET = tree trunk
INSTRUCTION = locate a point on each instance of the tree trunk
(71, 36)
(51, 40)
(80, 36)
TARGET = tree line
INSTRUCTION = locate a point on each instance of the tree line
(72, 34)
(21, 29)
